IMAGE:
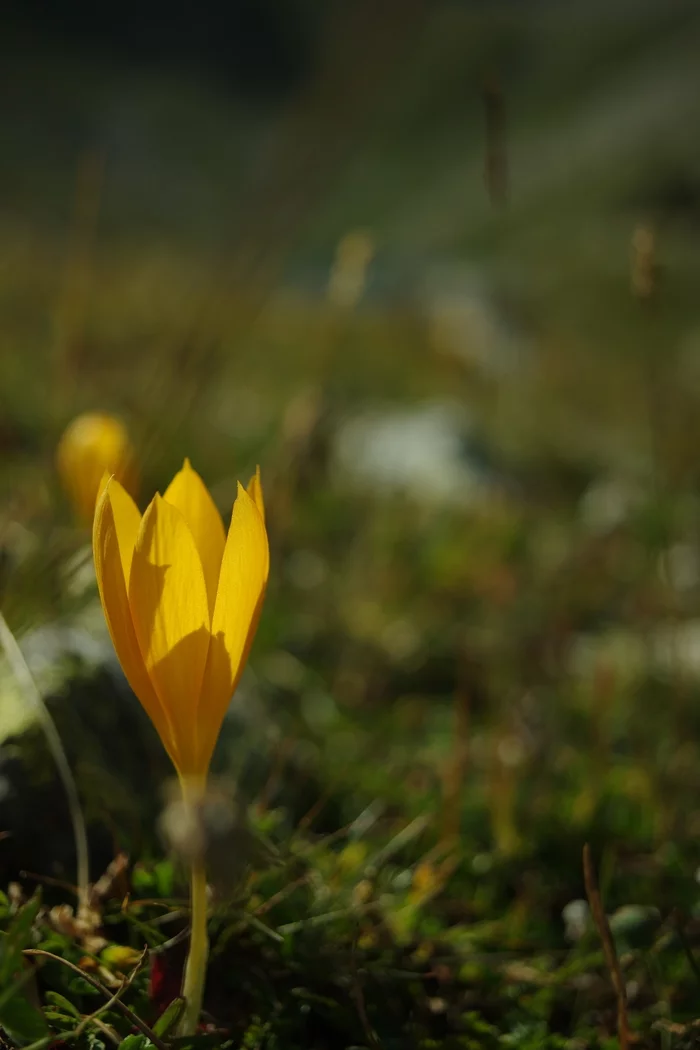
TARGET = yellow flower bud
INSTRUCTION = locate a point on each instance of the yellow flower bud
(120, 957)
(93, 445)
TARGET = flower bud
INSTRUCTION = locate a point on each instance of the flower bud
(93, 445)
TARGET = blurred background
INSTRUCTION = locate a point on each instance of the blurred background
(434, 266)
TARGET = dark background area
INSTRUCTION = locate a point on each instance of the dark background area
(263, 48)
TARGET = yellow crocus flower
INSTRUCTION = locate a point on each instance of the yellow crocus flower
(182, 602)
(91, 445)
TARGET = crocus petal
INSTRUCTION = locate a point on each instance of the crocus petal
(255, 491)
(114, 533)
(190, 495)
(127, 519)
(107, 475)
(242, 582)
(168, 600)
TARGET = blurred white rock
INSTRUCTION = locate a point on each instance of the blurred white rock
(422, 450)
(669, 649)
(608, 502)
(47, 650)
(679, 566)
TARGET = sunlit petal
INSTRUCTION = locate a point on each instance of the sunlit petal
(255, 491)
(103, 485)
(113, 545)
(190, 495)
(168, 600)
(127, 521)
(242, 581)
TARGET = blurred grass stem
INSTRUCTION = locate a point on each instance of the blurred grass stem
(25, 679)
(603, 926)
(71, 310)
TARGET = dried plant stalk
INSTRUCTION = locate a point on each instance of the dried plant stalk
(611, 959)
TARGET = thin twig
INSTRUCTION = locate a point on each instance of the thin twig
(358, 997)
(94, 1016)
(613, 964)
(309, 817)
(133, 1018)
(107, 1031)
(407, 834)
(49, 880)
(165, 946)
(281, 895)
(324, 919)
(21, 671)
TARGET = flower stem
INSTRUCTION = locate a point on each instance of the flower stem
(196, 966)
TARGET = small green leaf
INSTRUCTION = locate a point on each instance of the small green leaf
(22, 1021)
(79, 986)
(165, 878)
(135, 1042)
(143, 881)
(17, 937)
(58, 1017)
(56, 999)
(169, 1018)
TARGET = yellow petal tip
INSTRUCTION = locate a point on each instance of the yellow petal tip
(255, 492)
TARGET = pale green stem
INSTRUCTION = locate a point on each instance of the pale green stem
(196, 966)
(20, 669)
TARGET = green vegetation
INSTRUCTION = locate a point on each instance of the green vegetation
(447, 699)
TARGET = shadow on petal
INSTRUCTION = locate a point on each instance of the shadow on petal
(145, 609)
(217, 693)
(171, 676)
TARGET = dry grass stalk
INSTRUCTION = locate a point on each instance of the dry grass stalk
(611, 959)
